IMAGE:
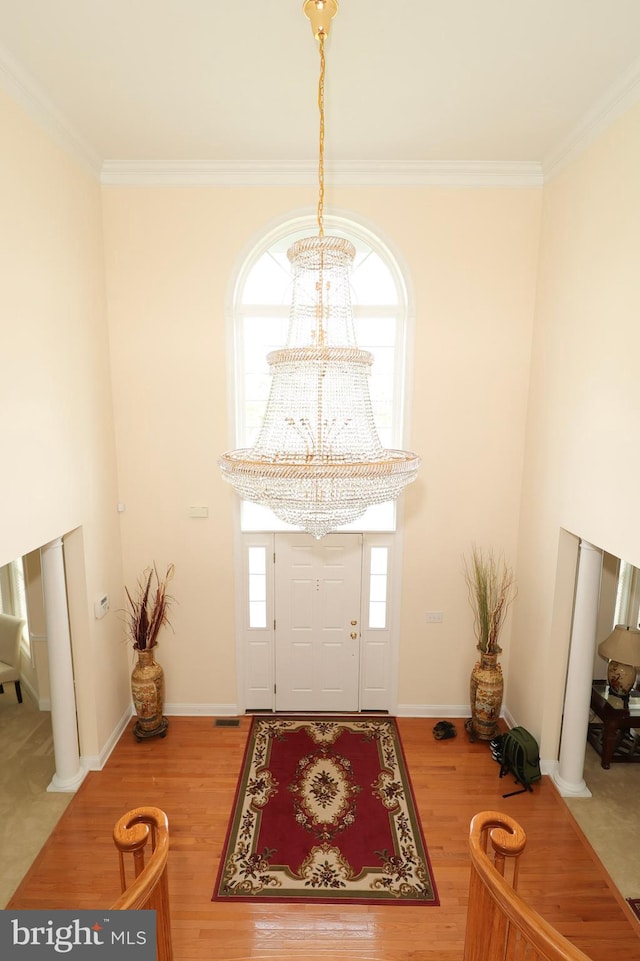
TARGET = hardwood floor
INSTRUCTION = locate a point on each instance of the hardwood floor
(192, 775)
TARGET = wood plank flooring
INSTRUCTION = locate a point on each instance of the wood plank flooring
(192, 775)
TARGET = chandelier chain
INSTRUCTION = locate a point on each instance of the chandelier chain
(323, 68)
(318, 462)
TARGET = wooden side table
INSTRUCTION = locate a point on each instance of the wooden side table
(616, 719)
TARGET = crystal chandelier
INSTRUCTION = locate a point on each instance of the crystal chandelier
(318, 462)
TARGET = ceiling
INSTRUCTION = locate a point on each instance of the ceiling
(410, 81)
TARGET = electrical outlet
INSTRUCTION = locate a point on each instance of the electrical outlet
(435, 617)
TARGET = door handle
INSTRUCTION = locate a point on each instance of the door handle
(353, 635)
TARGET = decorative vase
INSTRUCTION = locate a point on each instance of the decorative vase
(147, 688)
(486, 691)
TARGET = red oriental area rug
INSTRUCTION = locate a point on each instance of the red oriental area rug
(635, 906)
(324, 812)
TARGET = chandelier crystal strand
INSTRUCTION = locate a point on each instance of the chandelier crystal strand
(318, 463)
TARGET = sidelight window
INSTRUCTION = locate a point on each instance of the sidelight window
(257, 565)
(378, 579)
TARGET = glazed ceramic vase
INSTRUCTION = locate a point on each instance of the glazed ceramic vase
(486, 691)
(147, 689)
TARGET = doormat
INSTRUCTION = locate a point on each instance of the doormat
(324, 811)
(635, 906)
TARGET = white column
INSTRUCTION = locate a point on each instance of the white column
(68, 775)
(573, 746)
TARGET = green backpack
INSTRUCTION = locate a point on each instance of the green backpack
(520, 756)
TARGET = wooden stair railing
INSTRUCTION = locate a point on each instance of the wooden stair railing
(500, 925)
(149, 888)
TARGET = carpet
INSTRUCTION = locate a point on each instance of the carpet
(635, 906)
(324, 811)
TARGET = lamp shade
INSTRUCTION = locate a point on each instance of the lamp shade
(622, 645)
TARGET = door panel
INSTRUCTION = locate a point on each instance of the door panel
(317, 597)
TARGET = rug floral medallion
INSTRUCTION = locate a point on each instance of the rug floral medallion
(324, 811)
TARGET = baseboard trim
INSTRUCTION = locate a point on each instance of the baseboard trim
(509, 718)
(97, 762)
(434, 710)
(202, 710)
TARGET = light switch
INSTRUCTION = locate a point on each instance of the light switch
(101, 606)
(435, 617)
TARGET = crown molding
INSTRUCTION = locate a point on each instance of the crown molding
(605, 111)
(246, 173)
(21, 88)
(620, 97)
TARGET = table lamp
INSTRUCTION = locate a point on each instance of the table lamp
(622, 648)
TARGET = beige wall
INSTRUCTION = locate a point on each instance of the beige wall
(55, 394)
(582, 456)
(524, 404)
(471, 257)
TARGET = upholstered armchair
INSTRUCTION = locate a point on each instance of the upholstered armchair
(10, 634)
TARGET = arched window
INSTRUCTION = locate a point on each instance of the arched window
(261, 306)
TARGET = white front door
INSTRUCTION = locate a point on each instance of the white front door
(317, 609)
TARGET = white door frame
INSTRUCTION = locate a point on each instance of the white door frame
(255, 647)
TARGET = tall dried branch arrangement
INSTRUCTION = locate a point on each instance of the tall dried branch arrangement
(492, 589)
(149, 608)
